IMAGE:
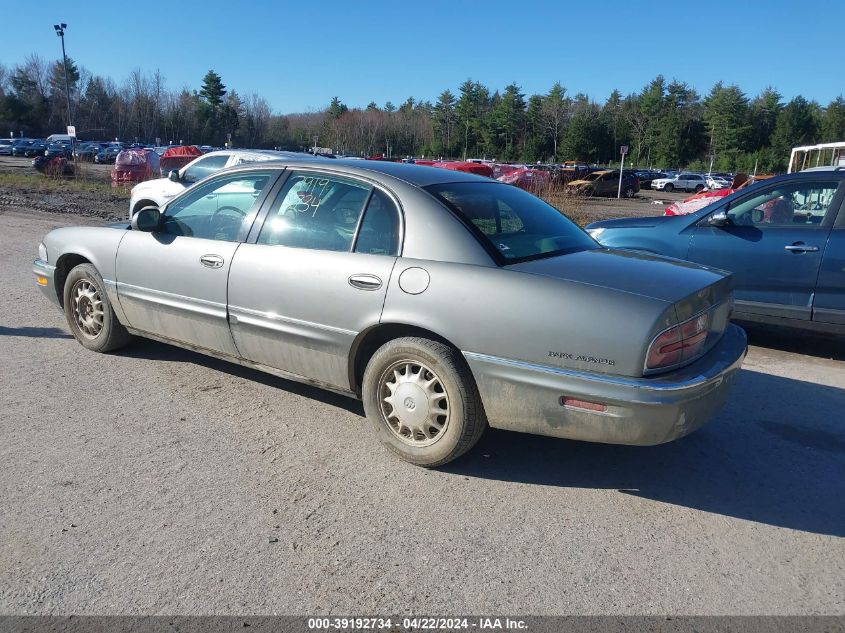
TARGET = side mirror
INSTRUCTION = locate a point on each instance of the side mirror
(147, 220)
(719, 219)
(173, 176)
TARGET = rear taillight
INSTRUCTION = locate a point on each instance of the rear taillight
(679, 343)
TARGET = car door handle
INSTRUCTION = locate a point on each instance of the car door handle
(800, 247)
(365, 282)
(211, 261)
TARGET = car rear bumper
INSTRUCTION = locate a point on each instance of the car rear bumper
(523, 397)
(45, 279)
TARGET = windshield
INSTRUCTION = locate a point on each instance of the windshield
(511, 223)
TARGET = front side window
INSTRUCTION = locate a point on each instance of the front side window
(215, 210)
(788, 205)
(315, 211)
(204, 167)
(512, 223)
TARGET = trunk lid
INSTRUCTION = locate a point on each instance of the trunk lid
(670, 280)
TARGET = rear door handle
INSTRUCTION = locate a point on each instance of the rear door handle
(211, 261)
(800, 247)
(365, 282)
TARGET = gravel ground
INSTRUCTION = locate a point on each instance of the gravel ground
(156, 480)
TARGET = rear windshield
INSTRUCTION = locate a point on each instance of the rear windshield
(514, 225)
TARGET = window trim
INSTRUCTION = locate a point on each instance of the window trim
(275, 190)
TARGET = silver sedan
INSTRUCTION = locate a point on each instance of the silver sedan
(447, 302)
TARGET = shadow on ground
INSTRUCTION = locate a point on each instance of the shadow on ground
(795, 341)
(34, 332)
(775, 454)
(151, 350)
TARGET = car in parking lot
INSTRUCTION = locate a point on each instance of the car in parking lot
(783, 239)
(59, 149)
(681, 182)
(108, 154)
(29, 148)
(446, 301)
(158, 191)
(647, 176)
(606, 183)
(88, 151)
(6, 146)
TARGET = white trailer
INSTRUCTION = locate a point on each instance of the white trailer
(821, 155)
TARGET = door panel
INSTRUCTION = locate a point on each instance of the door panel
(298, 310)
(829, 304)
(774, 247)
(173, 282)
(164, 288)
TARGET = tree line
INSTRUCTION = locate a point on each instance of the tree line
(666, 124)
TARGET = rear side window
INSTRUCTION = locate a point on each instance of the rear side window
(512, 224)
(379, 231)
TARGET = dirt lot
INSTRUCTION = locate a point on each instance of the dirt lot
(24, 189)
(157, 480)
(92, 195)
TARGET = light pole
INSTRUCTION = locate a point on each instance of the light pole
(60, 31)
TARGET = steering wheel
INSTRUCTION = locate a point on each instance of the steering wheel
(228, 224)
(226, 209)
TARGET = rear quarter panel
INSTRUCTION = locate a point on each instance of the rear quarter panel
(528, 317)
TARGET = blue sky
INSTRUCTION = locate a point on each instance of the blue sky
(300, 54)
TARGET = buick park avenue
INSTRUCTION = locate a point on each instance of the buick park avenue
(447, 302)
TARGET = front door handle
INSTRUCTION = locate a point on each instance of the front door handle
(365, 282)
(211, 261)
(800, 247)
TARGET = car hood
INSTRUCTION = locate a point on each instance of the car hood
(632, 223)
(643, 274)
(150, 185)
(579, 182)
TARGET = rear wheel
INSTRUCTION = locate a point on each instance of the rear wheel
(628, 192)
(669, 187)
(89, 312)
(422, 401)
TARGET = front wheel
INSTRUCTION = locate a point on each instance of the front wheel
(89, 312)
(669, 188)
(422, 400)
(699, 188)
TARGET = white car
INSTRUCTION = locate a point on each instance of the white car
(715, 183)
(158, 192)
(681, 182)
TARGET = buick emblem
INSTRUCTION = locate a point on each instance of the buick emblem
(409, 403)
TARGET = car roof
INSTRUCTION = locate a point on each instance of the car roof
(418, 175)
(831, 168)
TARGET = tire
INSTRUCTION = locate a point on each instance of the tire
(143, 204)
(699, 188)
(669, 188)
(96, 328)
(628, 192)
(420, 369)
